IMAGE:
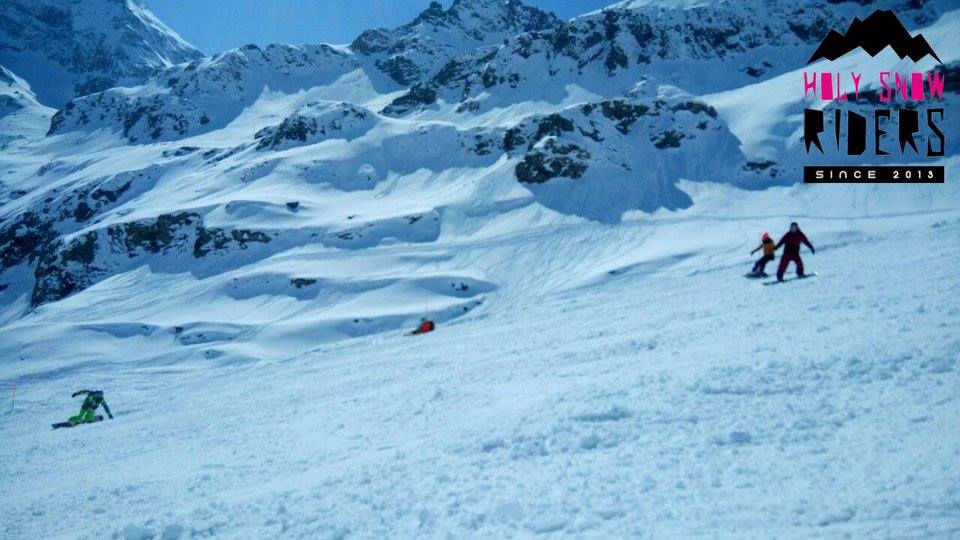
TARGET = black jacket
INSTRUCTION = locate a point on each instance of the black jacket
(791, 243)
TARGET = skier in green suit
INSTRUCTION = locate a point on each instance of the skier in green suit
(86, 415)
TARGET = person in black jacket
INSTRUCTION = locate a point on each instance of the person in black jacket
(791, 243)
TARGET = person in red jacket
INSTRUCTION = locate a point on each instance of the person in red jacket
(791, 250)
(425, 327)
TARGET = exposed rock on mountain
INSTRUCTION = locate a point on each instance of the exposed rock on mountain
(417, 50)
(314, 122)
(574, 159)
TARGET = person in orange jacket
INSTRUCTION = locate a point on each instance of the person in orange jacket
(426, 326)
(769, 251)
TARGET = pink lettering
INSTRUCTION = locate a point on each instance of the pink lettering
(901, 84)
(809, 85)
(885, 91)
(935, 81)
(916, 86)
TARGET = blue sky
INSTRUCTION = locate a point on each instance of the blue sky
(218, 25)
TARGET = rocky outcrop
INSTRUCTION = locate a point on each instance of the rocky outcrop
(636, 148)
(84, 259)
(315, 122)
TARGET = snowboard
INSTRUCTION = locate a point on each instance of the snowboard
(96, 418)
(805, 276)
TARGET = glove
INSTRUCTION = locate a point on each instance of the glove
(110, 415)
(813, 251)
(75, 394)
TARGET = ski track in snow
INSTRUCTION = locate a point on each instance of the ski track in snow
(657, 402)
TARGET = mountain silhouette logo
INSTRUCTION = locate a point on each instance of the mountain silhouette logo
(880, 30)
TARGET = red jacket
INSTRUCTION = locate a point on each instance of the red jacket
(791, 243)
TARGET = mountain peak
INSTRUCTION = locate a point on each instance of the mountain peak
(513, 15)
(417, 50)
(68, 49)
(434, 13)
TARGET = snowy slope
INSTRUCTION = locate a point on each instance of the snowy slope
(629, 383)
(72, 48)
(233, 249)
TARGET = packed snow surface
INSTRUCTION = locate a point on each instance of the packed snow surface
(639, 388)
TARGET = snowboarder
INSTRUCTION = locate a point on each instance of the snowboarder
(86, 415)
(791, 250)
(425, 327)
(769, 250)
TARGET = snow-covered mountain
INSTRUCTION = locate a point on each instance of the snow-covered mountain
(231, 160)
(416, 51)
(573, 203)
(15, 95)
(319, 123)
(701, 47)
(574, 158)
(21, 115)
(207, 94)
(69, 48)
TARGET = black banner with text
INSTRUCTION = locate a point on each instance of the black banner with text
(884, 174)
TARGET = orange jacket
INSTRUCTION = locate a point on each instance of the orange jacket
(425, 326)
(768, 247)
